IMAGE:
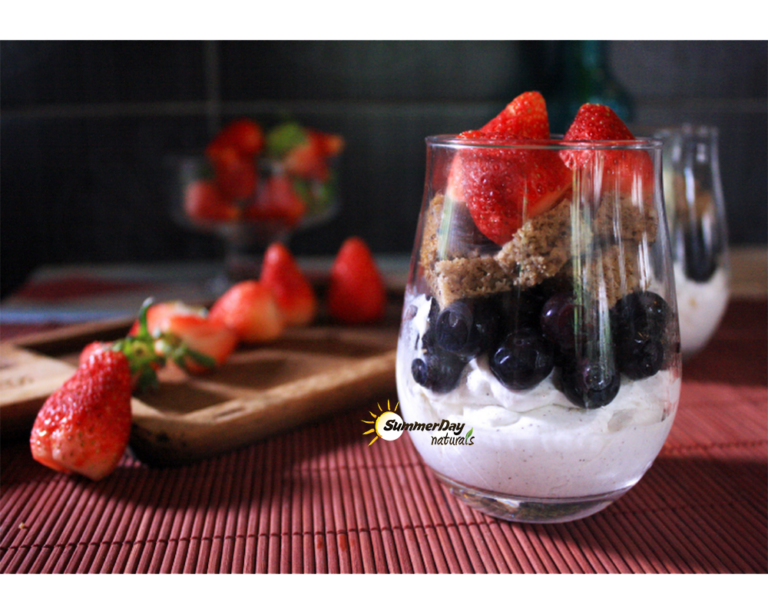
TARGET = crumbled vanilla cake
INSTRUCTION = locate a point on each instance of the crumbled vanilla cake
(541, 248)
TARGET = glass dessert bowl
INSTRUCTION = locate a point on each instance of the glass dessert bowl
(253, 188)
(695, 207)
(540, 314)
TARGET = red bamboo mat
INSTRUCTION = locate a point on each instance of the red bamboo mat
(320, 500)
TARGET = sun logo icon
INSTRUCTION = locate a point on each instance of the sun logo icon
(379, 423)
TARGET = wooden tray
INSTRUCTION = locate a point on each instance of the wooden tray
(261, 390)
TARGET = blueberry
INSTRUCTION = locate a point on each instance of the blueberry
(642, 311)
(700, 257)
(590, 383)
(467, 327)
(563, 324)
(522, 308)
(557, 318)
(639, 357)
(639, 322)
(440, 371)
(522, 360)
(428, 342)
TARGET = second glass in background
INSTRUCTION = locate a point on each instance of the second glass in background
(695, 207)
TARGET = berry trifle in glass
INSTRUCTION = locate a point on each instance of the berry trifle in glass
(538, 366)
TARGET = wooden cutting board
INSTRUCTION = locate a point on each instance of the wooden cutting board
(308, 373)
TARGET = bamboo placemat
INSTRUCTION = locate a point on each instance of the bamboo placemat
(321, 500)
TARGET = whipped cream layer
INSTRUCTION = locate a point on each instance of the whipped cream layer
(535, 443)
(701, 307)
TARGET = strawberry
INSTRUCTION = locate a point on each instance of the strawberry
(232, 154)
(250, 310)
(84, 426)
(244, 136)
(203, 201)
(356, 291)
(236, 176)
(295, 296)
(139, 349)
(629, 171)
(504, 187)
(187, 336)
(277, 201)
(90, 349)
(309, 159)
(597, 122)
(524, 117)
(455, 184)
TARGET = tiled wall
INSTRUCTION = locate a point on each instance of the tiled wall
(87, 128)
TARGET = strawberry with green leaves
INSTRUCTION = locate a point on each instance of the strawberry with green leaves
(304, 152)
(185, 335)
(84, 426)
(504, 187)
(310, 158)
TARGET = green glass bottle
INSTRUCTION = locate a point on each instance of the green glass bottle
(586, 77)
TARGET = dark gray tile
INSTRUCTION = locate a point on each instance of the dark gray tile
(91, 72)
(691, 69)
(391, 71)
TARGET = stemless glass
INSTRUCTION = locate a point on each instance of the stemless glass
(539, 373)
(695, 205)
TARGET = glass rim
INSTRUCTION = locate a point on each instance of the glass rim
(555, 142)
(688, 130)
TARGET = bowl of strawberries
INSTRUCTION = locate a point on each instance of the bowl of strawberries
(253, 186)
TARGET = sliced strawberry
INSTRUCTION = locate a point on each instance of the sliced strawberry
(455, 184)
(250, 310)
(628, 171)
(356, 290)
(277, 201)
(85, 425)
(203, 201)
(294, 294)
(505, 186)
(188, 337)
(524, 117)
(243, 135)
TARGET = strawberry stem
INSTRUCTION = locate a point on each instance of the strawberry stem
(139, 349)
(147, 352)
